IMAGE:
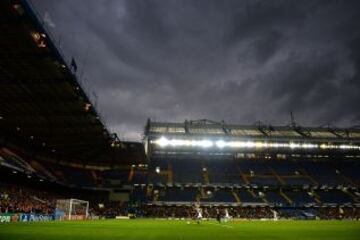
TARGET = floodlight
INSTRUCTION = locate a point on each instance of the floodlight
(162, 142)
(206, 143)
(220, 144)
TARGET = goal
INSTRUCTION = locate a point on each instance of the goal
(71, 209)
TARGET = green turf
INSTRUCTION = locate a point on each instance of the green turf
(167, 229)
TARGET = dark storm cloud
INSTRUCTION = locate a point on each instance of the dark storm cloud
(238, 61)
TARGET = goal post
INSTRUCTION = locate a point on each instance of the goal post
(71, 209)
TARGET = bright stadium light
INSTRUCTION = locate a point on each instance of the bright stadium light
(309, 145)
(202, 143)
(294, 145)
(250, 144)
(164, 142)
(206, 143)
(349, 147)
(324, 146)
(220, 144)
(176, 142)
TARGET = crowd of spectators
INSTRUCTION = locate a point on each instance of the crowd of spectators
(109, 209)
(339, 213)
(22, 200)
(15, 199)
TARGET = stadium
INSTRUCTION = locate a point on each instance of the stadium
(65, 175)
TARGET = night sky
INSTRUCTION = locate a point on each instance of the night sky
(237, 61)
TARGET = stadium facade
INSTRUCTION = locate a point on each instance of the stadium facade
(286, 167)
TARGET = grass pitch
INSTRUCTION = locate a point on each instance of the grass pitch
(172, 229)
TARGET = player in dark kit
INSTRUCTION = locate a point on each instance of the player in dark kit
(218, 215)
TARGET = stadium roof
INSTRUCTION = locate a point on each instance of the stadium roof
(210, 138)
(42, 104)
(210, 128)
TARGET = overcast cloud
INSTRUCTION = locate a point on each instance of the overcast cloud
(238, 61)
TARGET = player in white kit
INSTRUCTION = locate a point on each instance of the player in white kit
(227, 216)
(198, 214)
(275, 215)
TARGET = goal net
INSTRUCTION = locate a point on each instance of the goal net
(71, 209)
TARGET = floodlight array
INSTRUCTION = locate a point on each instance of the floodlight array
(205, 143)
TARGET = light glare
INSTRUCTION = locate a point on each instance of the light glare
(164, 142)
